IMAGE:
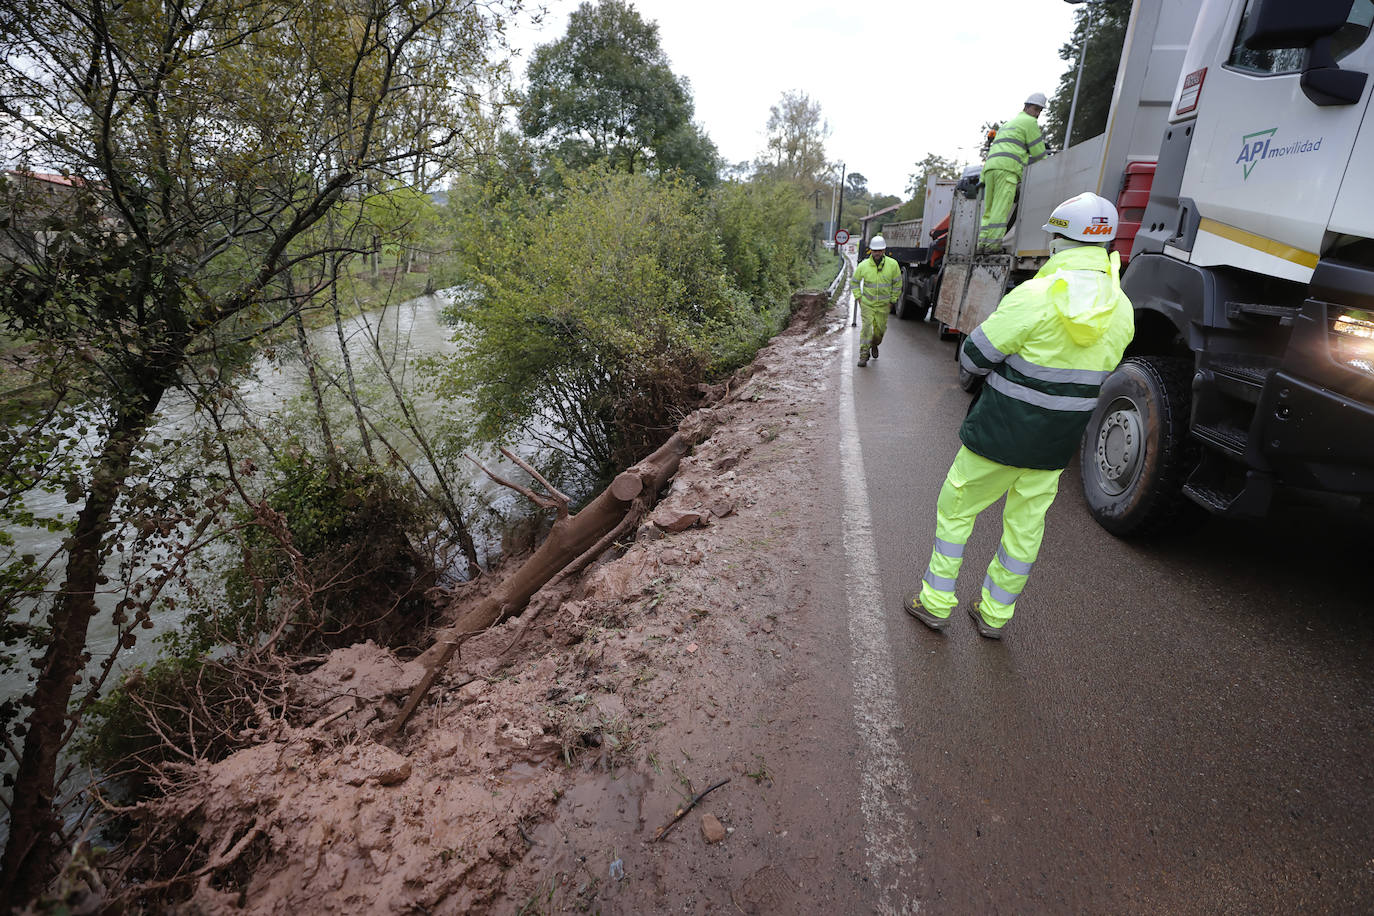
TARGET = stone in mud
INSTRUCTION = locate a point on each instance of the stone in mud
(374, 763)
(675, 520)
(712, 829)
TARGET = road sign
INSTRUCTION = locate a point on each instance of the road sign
(841, 236)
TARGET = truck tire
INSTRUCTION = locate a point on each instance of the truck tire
(904, 304)
(967, 380)
(1136, 450)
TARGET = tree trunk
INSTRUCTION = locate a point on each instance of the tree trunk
(31, 853)
(308, 357)
(571, 537)
(348, 374)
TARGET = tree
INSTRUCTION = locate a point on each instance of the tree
(796, 141)
(605, 91)
(1102, 26)
(858, 184)
(202, 144)
(591, 315)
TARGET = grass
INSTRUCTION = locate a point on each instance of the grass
(827, 265)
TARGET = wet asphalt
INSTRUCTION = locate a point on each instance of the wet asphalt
(1178, 726)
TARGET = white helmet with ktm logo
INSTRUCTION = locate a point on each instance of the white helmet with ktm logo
(1085, 218)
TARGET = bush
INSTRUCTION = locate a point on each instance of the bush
(595, 317)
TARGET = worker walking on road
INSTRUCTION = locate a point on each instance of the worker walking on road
(878, 281)
(1044, 353)
(1017, 144)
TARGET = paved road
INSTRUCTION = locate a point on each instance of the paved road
(1176, 727)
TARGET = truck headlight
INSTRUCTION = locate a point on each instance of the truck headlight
(1353, 338)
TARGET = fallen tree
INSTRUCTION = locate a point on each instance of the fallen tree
(577, 539)
(574, 541)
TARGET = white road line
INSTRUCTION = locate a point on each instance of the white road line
(885, 786)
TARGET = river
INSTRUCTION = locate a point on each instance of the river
(274, 388)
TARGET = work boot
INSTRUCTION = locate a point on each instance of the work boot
(912, 605)
(863, 356)
(984, 628)
(873, 350)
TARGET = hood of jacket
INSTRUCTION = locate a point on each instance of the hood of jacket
(1083, 290)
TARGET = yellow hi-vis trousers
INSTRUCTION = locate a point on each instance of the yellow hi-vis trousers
(873, 327)
(973, 484)
(999, 196)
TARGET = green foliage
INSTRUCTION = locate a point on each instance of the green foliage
(1102, 25)
(601, 307)
(763, 228)
(796, 142)
(605, 92)
(335, 547)
(198, 703)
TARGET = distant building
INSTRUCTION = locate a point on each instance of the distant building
(28, 203)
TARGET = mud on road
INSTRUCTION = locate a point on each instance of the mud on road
(535, 778)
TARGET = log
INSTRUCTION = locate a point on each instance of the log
(570, 538)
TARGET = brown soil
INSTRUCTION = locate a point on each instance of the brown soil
(535, 779)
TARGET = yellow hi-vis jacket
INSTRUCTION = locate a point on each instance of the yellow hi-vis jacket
(880, 285)
(1046, 351)
(1018, 143)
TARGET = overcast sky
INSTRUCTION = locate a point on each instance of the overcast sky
(895, 80)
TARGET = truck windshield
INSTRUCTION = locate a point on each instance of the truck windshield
(1290, 60)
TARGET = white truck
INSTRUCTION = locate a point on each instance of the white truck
(910, 243)
(1240, 151)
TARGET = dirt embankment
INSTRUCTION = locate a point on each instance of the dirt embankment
(535, 776)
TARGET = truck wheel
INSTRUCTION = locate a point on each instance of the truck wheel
(967, 380)
(903, 298)
(1136, 450)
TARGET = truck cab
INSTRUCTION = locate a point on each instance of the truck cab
(1252, 275)
(1239, 149)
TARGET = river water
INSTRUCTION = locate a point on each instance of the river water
(273, 390)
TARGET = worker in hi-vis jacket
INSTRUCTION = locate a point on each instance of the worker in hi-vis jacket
(1044, 354)
(1017, 144)
(878, 283)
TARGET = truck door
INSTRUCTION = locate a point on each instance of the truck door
(1267, 163)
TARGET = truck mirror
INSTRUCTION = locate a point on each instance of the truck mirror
(1273, 24)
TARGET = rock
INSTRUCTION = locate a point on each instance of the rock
(675, 520)
(721, 508)
(712, 829)
(374, 763)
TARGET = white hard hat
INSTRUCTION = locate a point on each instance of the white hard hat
(877, 244)
(1087, 218)
(1037, 98)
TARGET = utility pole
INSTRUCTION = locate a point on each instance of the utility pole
(1078, 79)
(839, 212)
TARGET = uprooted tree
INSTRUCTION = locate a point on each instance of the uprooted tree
(198, 145)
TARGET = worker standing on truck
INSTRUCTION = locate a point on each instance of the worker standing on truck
(1017, 144)
(879, 282)
(1044, 353)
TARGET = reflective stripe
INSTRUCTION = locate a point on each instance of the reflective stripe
(979, 338)
(1037, 157)
(994, 225)
(1049, 374)
(939, 583)
(969, 365)
(1020, 143)
(1017, 156)
(949, 549)
(1012, 565)
(998, 593)
(1039, 398)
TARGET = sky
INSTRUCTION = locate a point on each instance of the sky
(895, 80)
